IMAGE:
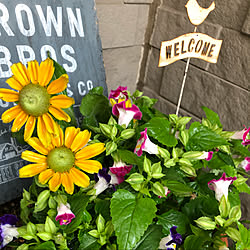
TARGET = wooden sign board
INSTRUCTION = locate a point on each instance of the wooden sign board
(190, 45)
(28, 29)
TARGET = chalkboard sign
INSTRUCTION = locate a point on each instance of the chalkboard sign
(68, 29)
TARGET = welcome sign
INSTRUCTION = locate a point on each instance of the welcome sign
(66, 29)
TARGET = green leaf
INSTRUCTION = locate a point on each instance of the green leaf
(95, 107)
(201, 138)
(193, 242)
(49, 245)
(173, 218)
(130, 158)
(160, 129)
(130, 217)
(78, 203)
(178, 188)
(150, 240)
(212, 116)
(233, 233)
(206, 223)
(135, 178)
(239, 148)
(244, 233)
(224, 207)
(102, 207)
(243, 188)
(87, 242)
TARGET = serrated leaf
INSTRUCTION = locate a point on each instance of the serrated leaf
(212, 117)
(130, 217)
(203, 139)
(160, 129)
(173, 218)
(150, 240)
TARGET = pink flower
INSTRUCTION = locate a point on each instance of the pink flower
(126, 112)
(118, 95)
(64, 214)
(221, 186)
(144, 144)
(242, 135)
(120, 168)
(245, 164)
(206, 156)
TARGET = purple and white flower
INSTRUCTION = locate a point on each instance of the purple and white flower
(206, 156)
(8, 230)
(171, 241)
(245, 164)
(221, 186)
(64, 214)
(118, 95)
(106, 180)
(125, 111)
(242, 135)
(120, 168)
(144, 144)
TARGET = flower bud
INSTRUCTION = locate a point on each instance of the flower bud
(135, 179)
(189, 171)
(184, 137)
(235, 212)
(100, 222)
(164, 153)
(219, 220)
(147, 165)
(110, 147)
(42, 201)
(112, 121)
(224, 207)
(158, 189)
(127, 133)
(59, 239)
(206, 223)
(106, 129)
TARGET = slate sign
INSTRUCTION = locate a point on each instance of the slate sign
(68, 29)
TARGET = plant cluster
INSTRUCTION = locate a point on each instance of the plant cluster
(127, 177)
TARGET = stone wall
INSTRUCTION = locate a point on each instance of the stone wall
(122, 26)
(223, 87)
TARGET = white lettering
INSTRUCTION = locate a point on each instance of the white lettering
(81, 88)
(31, 30)
(51, 19)
(75, 23)
(69, 58)
(5, 61)
(25, 49)
(69, 92)
(45, 49)
(90, 85)
(4, 104)
(4, 19)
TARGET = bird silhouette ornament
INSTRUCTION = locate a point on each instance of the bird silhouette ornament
(196, 13)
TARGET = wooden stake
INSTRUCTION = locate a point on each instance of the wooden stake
(183, 81)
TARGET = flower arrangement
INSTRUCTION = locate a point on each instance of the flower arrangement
(127, 177)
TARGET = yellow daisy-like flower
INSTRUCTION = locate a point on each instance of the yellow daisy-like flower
(62, 161)
(35, 99)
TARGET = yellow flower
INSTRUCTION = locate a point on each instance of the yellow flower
(35, 99)
(62, 161)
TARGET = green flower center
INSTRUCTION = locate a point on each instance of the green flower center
(34, 99)
(61, 159)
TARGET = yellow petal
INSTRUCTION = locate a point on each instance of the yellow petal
(14, 83)
(90, 151)
(79, 178)
(42, 132)
(33, 69)
(70, 134)
(80, 140)
(89, 166)
(10, 114)
(38, 146)
(33, 157)
(46, 71)
(67, 183)
(55, 182)
(48, 123)
(9, 95)
(58, 85)
(29, 127)
(19, 121)
(62, 101)
(20, 73)
(45, 176)
(32, 170)
(59, 114)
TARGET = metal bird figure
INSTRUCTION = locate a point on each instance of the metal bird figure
(196, 13)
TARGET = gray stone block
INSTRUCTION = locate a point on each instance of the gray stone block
(246, 26)
(122, 25)
(153, 74)
(122, 66)
(138, 1)
(233, 62)
(230, 14)
(204, 89)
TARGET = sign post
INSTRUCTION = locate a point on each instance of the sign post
(68, 30)
(196, 45)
